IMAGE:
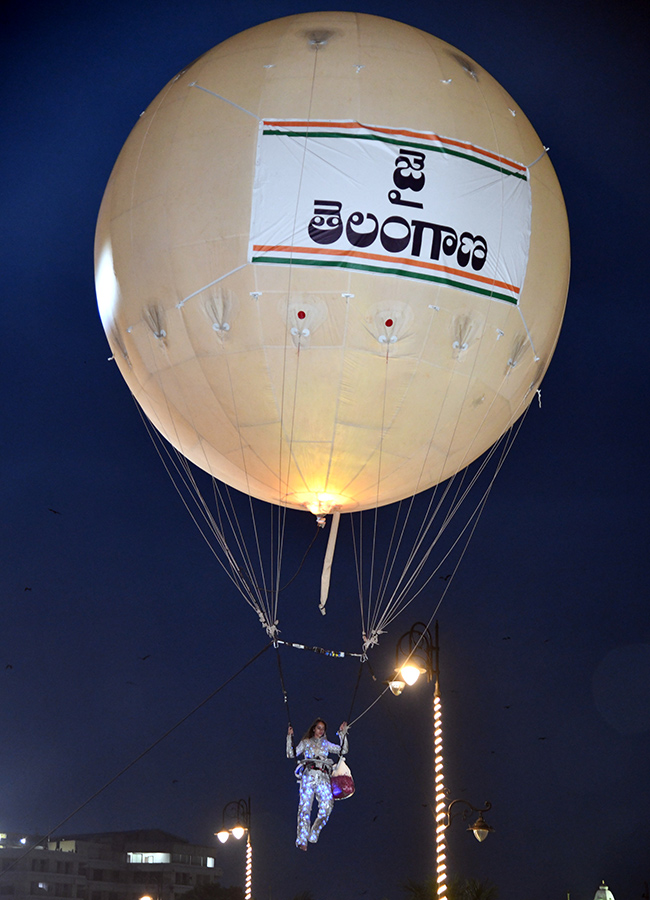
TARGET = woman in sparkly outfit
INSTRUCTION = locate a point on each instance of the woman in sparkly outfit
(313, 772)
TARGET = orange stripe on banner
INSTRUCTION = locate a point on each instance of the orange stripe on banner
(379, 257)
(401, 132)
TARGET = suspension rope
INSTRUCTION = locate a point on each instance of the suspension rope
(244, 580)
(263, 599)
(414, 565)
(471, 524)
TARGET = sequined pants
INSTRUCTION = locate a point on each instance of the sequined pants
(313, 782)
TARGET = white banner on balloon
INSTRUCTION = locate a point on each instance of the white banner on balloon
(390, 201)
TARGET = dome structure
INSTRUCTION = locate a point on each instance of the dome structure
(603, 893)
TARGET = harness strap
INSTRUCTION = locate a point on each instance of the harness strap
(322, 765)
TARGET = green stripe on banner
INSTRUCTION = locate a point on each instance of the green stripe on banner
(385, 140)
(421, 276)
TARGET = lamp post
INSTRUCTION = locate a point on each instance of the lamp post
(240, 812)
(418, 653)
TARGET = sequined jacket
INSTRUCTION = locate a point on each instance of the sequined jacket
(316, 752)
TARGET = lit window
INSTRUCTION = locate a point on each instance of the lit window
(155, 858)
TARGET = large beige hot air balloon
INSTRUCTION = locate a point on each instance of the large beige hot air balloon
(332, 261)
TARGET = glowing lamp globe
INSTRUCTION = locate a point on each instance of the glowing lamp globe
(410, 673)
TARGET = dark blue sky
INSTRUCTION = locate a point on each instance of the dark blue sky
(545, 630)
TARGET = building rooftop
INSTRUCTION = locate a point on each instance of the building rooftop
(141, 835)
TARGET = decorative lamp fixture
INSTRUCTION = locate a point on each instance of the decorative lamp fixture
(414, 657)
(480, 828)
(410, 673)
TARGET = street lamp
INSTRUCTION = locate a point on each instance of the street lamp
(480, 828)
(240, 812)
(417, 653)
(414, 656)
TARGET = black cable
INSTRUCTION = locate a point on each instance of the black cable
(285, 586)
(248, 578)
(137, 759)
(285, 695)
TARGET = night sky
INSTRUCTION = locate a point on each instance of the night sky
(116, 619)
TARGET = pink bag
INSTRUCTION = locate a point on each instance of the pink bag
(342, 781)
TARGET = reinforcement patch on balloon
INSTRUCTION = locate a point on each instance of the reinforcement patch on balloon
(392, 202)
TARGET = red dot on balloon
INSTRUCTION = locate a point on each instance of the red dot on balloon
(301, 314)
(389, 323)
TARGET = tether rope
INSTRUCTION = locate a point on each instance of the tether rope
(136, 760)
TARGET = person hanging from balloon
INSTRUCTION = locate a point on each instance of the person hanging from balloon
(313, 772)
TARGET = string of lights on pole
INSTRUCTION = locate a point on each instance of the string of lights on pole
(418, 654)
(240, 812)
(441, 796)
